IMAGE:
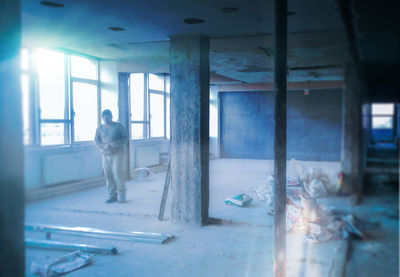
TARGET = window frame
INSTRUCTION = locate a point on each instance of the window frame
(95, 82)
(36, 121)
(147, 107)
(378, 115)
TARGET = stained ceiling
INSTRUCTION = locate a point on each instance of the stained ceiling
(241, 46)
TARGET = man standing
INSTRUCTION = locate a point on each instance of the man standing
(111, 138)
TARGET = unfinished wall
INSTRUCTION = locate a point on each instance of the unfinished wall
(313, 125)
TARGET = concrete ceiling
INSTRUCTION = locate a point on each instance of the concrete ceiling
(241, 41)
(377, 27)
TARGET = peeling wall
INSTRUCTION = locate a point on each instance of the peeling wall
(314, 125)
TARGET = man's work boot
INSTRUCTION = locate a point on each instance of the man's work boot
(121, 198)
(111, 199)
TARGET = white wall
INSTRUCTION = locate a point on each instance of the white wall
(51, 165)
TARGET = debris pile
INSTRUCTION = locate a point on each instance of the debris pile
(303, 212)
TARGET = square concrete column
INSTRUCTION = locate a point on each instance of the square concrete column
(124, 117)
(12, 249)
(353, 138)
(189, 129)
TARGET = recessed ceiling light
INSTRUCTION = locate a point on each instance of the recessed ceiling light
(193, 21)
(229, 9)
(116, 29)
(52, 4)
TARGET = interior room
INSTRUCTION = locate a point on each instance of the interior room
(199, 138)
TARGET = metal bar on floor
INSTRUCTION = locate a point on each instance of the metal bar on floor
(155, 238)
(280, 99)
(58, 245)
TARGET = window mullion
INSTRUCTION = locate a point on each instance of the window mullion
(146, 129)
(165, 108)
(98, 94)
(33, 101)
(67, 104)
(71, 99)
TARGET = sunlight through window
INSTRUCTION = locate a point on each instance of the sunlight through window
(82, 67)
(50, 67)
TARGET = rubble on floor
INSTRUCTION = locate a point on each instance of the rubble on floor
(303, 212)
(239, 200)
(63, 265)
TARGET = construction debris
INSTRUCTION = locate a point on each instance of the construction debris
(142, 173)
(65, 264)
(316, 181)
(303, 212)
(58, 245)
(239, 200)
(155, 238)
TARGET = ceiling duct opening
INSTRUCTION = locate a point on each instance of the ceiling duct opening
(193, 21)
(116, 29)
(51, 4)
(229, 9)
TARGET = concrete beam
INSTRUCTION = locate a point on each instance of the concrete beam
(12, 250)
(190, 73)
(290, 86)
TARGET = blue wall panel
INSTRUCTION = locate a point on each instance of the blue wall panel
(313, 126)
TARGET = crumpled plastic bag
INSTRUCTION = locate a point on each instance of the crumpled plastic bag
(315, 188)
(293, 215)
(142, 173)
(265, 191)
(63, 265)
(328, 178)
(239, 200)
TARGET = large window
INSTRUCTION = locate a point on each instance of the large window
(59, 97)
(157, 105)
(138, 106)
(84, 97)
(149, 99)
(85, 110)
(53, 103)
(382, 116)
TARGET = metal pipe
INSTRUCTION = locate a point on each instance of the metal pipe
(155, 238)
(58, 245)
(280, 99)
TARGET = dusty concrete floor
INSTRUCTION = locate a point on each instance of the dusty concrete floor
(378, 254)
(240, 248)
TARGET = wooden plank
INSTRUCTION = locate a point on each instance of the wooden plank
(165, 193)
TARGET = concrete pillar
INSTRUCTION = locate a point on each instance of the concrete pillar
(12, 249)
(353, 140)
(280, 104)
(189, 129)
(124, 115)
